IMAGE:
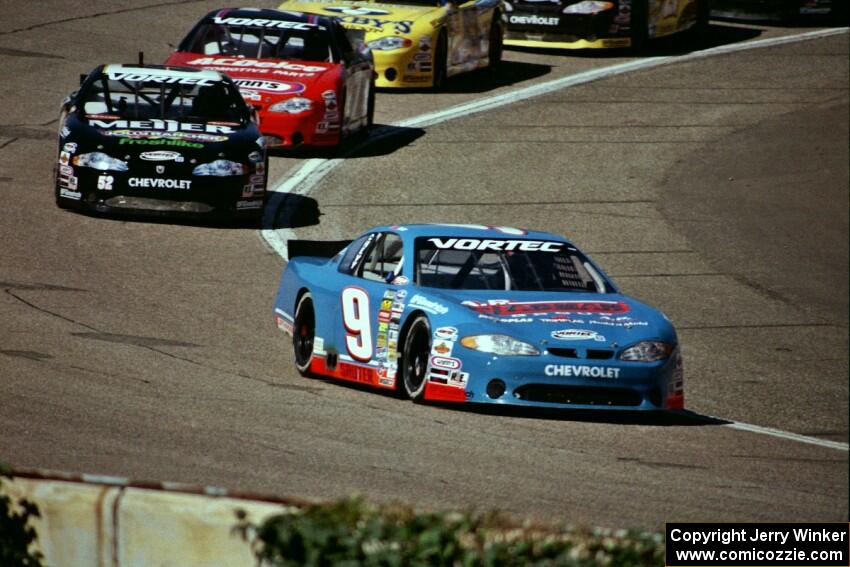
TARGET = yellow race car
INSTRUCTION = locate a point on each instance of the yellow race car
(419, 43)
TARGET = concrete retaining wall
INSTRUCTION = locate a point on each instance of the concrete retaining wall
(112, 522)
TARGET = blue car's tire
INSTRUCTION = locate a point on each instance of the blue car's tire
(414, 359)
(303, 333)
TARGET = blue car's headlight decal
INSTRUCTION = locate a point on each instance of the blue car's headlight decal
(647, 351)
(499, 344)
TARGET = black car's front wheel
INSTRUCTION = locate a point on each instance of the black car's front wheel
(414, 362)
(303, 333)
(60, 202)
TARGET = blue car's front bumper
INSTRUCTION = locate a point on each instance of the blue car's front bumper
(557, 382)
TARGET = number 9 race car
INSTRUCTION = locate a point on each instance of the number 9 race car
(309, 84)
(157, 140)
(476, 314)
(419, 43)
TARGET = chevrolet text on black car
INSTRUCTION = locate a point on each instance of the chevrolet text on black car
(593, 24)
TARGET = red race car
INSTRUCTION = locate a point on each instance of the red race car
(301, 73)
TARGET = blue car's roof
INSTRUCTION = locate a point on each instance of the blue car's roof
(466, 231)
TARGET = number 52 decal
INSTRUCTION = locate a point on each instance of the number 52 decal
(358, 329)
(104, 182)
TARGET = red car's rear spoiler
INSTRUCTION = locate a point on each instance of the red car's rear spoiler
(317, 248)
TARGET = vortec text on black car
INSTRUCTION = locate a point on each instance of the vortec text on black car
(160, 140)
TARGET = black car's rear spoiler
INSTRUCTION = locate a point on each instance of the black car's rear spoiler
(318, 248)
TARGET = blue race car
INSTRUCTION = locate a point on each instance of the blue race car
(461, 313)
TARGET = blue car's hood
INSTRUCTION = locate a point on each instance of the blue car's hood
(571, 319)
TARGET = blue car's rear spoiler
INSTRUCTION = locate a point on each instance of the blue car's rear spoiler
(317, 248)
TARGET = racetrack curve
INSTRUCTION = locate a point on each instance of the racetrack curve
(713, 188)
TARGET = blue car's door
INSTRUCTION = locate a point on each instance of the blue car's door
(366, 334)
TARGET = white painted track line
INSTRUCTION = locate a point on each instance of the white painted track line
(837, 445)
(303, 178)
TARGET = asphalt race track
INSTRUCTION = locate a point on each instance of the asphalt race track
(715, 188)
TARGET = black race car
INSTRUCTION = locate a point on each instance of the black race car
(592, 24)
(160, 140)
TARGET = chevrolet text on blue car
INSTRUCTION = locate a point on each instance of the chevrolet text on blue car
(465, 313)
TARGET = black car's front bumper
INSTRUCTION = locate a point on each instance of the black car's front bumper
(119, 193)
(546, 22)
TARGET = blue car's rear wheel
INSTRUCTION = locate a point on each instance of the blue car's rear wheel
(414, 362)
(303, 333)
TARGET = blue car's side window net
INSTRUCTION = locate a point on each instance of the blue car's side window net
(354, 254)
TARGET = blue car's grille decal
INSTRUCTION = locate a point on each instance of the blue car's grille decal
(578, 395)
(565, 352)
(591, 353)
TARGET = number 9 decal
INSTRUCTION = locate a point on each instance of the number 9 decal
(355, 317)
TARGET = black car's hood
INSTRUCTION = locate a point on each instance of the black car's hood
(187, 137)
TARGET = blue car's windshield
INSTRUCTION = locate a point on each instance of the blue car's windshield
(509, 264)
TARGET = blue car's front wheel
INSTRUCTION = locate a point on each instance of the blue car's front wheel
(414, 364)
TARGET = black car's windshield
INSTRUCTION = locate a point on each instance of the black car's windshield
(509, 264)
(143, 95)
(262, 39)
